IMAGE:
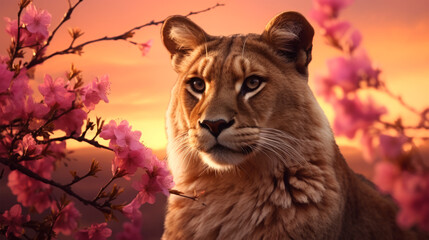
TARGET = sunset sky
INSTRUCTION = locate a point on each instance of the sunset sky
(396, 36)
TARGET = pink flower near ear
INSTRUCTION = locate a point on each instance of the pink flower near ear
(343, 74)
(321, 17)
(55, 92)
(71, 122)
(332, 6)
(67, 220)
(145, 47)
(95, 232)
(96, 91)
(35, 21)
(353, 115)
(353, 40)
(5, 77)
(392, 147)
(13, 219)
(336, 29)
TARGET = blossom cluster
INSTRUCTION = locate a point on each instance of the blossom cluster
(130, 155)
(29, 148)
(399, 171)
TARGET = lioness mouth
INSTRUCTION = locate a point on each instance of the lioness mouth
(220, 148)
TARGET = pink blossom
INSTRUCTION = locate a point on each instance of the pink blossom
(67, 220)
(72, 122)
(332, 6)
(132, 210)
(335, 30)
(108, 131)
(130, 153)
(321, 17)
(12, 106)
(95, 232)
(353, 40)
(343, 73)
(37, 110)
(37, 22)
(96, 91)
(386, 176)
(412, 194)
(5, 77)
(145, 47)
(29, 192)
(125, 138)
(130, 160)
(392, 147)
(121, 136)
(28, 147)
(131, 231)
(159, 180)
(55, 92)
(14, 219)
(28, 39)
(365, 71)
(348, 74)
(20, 88)
(353, 115)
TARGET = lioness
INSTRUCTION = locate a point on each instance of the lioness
(244, 127)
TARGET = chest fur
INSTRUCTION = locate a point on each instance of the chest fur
(287, 205)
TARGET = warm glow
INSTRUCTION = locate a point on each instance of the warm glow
(396, 36)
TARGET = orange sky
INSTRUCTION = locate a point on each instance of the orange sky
(396, 36)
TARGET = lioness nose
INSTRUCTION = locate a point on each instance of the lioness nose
(216, 127)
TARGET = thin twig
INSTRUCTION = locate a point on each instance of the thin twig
(180, 194)
(115, 176)
(123, 36)
(66, 17)
(17, 43)
(79, 139)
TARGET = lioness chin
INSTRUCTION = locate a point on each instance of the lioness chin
(244, 127)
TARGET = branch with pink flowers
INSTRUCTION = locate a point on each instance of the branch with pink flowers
(400, 169)
(75, 33)
(33, 136)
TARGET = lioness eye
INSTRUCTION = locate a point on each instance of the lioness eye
(251, 84)
(197, 85)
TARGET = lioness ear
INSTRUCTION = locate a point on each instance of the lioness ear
(180, 34)
(291, 35)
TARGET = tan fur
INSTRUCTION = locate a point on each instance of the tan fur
(294, 184)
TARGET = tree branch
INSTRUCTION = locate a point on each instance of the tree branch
(123, 36)
(79, 139)
(16, 166)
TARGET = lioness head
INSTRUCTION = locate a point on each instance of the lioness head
(240, 98)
